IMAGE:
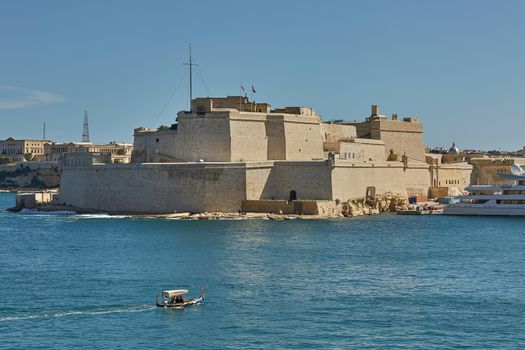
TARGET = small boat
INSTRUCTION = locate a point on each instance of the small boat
(174, 298)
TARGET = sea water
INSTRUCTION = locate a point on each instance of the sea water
(387, 281)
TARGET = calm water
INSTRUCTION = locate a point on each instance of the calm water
(374, 282)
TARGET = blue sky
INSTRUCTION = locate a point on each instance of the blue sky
(458, 65)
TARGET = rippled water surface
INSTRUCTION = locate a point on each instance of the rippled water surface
(410, 282)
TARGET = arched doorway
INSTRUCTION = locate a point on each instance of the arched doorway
(293, 195)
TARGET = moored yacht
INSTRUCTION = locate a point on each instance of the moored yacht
(493, 200)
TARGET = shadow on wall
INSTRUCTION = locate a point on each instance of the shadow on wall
(287, 180)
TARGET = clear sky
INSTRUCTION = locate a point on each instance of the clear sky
(458, 65)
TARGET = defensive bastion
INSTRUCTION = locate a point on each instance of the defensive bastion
(230, 151)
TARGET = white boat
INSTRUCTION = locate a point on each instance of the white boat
(506, 200)
(174, 298)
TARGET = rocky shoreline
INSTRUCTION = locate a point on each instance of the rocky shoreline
(389, 202)
(386, 203)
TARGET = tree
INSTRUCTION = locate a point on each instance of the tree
(28, 156)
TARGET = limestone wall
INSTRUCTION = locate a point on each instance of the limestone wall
(154, 188)
(204, 137)
(248, 137)
(276, 138)
(150, 145)
(399, 135)
(363, 150)
(294, 137)
(485, 170)
(310, 180)
(456, 175)
(351, 179)
(303, 138)
(402, 137)
(230, 136)
(257, 176)
(268, 206)
(337, 132)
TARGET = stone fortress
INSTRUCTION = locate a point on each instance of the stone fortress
(231, 154)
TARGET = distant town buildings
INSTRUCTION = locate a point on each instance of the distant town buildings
(12, 150)
(118, 152)
(23, 150)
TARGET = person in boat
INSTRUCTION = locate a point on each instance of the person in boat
(179, 299)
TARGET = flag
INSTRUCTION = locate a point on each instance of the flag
(242, 88)
(253, 89)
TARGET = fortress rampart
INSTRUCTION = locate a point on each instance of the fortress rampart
(227, 151)
(201, 187)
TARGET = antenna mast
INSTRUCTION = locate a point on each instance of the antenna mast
(85, 133)
(191, 65)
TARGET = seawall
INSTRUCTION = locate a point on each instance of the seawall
(163, 188)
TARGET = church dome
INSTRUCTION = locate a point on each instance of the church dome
(453, 149)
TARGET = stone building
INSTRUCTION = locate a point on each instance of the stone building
(401, 137)
(23, 150)
(116, 152)
(227, 151)
(449, 174)
(485, 170)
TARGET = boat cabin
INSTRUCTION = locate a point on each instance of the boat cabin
(174, 296)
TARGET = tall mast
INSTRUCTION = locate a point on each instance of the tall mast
(191, 65)
(191, 80)
(44, 132)
(85, 133)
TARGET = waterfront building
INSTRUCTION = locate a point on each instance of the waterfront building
(23, 150)
(449, 173)
(485, 170)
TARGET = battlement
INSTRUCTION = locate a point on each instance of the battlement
(400, 136)
(203, 105)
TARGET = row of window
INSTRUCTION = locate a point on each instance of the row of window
(19, 151)
(452, 182)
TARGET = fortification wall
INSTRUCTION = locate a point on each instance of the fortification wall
(204, 137)
(276, 138)
(452, 175)
(151, 144)
(248, 137)
(303, 138)
(401, 137)
(363, 150)
(337, 132)
(154, 188)
(257, 176)
(201, 187)
(350, 180)
(309, 180)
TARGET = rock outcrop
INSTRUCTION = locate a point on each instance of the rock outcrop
(20, 176)
(387, 202)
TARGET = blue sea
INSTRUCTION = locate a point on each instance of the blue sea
(375, 282)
